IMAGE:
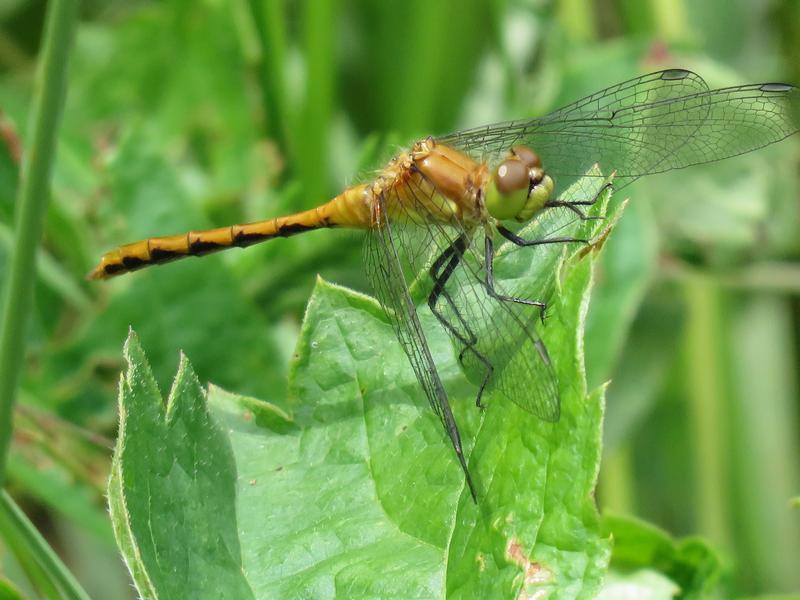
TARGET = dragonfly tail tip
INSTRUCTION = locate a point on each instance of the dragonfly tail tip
(95, 274)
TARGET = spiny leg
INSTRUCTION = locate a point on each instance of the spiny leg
(515, 239)
(440, 279)
(519, 241)
(489, 255)
(469, 341)
(452, 256)
(573, 205)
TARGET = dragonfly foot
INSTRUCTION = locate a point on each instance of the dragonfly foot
(573, 206)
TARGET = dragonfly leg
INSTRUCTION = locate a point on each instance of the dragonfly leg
(573, 205)
(489, 249)
(452, 256)
(514, 238)
(608, 186)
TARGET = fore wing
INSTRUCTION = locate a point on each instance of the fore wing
(654, 123)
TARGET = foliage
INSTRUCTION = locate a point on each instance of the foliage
(690, 563)
(359, 478)
(186, 115)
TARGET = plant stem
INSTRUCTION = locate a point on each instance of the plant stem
(672, 21)
(706, 396)
(31, 207)
(577, 19)
(14, 525)
(617, 489)
(765, 377)
(315, 116)
(780, 277)
(269, 20)
(36, 576)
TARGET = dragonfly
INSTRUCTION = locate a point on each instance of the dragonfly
(434, 214)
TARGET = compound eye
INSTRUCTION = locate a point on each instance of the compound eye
(528, 157)
(511, 176)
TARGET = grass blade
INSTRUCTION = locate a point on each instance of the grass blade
(31, 207)
(27, 541)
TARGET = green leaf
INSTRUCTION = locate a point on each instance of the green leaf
(172, 486)
(355, 491)
(644, 584)
(691, 563)
(8, 590)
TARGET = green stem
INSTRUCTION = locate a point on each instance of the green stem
(269, 20)
(315, 117)
(768, 276)
(707, 410)
(31, 208)
(577, 19)
(616, 482)
(765, 377)
(672, 20)
(29, 543)
(36, 577)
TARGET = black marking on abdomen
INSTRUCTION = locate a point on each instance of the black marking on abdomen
(293, 228)
(159, 255)
(243, 240)
(201, 247)
(131, 263)
(114, 268)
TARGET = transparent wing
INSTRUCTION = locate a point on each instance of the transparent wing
(385, 272)
(654, 123)
(497, 341)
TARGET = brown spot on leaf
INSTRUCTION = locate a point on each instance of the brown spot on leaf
(479, 558)
(535, 573)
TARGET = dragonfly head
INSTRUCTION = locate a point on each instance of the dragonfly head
(519, 186)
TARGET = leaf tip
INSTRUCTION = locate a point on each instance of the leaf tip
(132, 351)
(186, 391)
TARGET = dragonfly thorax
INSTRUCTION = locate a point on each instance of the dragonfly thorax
(519, 187)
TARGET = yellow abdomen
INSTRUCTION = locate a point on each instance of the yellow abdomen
(348, 209)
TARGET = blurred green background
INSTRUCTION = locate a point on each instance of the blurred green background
(192, 114)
